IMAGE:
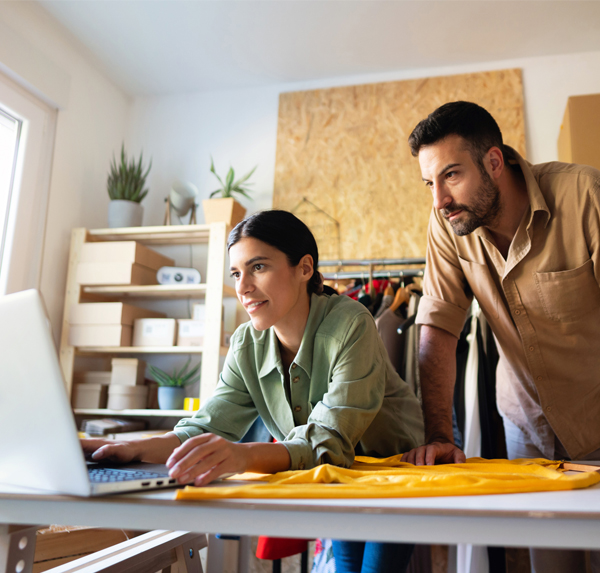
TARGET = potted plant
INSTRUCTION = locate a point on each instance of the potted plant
(126, 190)
(225, 207)
(171, 387)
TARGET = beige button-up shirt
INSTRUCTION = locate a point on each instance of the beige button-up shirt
(542, 303)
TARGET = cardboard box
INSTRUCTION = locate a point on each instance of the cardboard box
(127, 371)
(100, 335)
(190, 332)
(579, 137)
(123, 252)
(199, 311)
(89, 395)
(154, 332)
(127, 397)
(93, 377)
(114, 274)
(58, 545)
(226, 338)
(109, 313)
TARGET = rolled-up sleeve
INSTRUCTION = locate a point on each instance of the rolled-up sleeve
(354, 395)
(446, 295)
(229, 412)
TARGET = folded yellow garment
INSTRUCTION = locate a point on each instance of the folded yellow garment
(389, 477)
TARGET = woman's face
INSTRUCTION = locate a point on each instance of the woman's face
(271, 290)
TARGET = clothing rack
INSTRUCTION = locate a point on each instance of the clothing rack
(372, 273)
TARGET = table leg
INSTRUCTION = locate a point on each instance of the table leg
(17, 548)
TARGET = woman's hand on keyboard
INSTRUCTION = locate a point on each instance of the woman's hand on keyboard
(96, 449)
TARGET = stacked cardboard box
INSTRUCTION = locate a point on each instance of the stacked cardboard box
(119, 263)
(105, 323)
(127, 389)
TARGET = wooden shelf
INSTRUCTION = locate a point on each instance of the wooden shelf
(154, 291)
(145, 350)
(165, 235)
(143, 412)
(214, 236)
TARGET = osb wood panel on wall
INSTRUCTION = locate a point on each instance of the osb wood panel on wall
(345, 151)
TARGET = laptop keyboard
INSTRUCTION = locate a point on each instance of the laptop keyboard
(111, 475)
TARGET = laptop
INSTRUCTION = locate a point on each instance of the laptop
(39, 445)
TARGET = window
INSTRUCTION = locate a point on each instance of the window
(27, 128)
(10, 132)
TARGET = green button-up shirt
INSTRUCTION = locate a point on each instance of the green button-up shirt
(344, 393)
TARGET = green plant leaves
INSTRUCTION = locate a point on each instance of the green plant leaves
(126, 181)
(177, 379)
(231, 186)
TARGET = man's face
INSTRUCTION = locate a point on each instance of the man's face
(463, 192)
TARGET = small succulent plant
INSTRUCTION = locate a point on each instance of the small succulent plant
(231, 186)
(126, 180)
(177, 379)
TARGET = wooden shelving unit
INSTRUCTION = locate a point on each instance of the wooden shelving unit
(213, 291)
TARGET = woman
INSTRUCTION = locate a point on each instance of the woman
(311, 365)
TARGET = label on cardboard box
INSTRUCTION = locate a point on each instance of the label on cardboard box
(154, 332)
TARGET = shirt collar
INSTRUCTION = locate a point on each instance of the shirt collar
(272, 356)
(536, 198)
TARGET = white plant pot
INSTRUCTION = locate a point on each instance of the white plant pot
(124, 214)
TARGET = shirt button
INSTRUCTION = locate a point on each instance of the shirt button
(549, 409)
(293, 366)
(296, 379)
(539, 378)
(517, 312)
(297, 408)
(301, 466)
(531, 349)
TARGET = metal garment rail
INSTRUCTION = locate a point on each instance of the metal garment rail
(372, 273)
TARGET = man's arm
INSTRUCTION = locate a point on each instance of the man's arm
(437, 368)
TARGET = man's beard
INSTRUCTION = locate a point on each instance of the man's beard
(482, 212)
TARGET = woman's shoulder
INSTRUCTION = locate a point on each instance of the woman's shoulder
(340, 313)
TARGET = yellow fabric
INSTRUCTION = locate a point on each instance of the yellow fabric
(389, 477)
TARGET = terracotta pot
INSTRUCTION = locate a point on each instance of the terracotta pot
(223, 210)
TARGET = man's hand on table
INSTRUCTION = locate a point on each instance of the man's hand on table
(435, 453)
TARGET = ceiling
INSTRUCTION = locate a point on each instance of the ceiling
(158, 47)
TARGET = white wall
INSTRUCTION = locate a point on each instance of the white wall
(91, 125)
(240, 127)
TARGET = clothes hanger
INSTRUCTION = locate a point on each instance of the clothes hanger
(389, 289)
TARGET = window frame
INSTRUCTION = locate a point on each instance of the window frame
(20, 267)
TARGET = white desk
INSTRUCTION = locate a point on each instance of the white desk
(555, 519)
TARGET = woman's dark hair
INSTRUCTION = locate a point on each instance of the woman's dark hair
(285, 232)
(465, 119)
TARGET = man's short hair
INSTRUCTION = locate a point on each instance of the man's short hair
(468, 120)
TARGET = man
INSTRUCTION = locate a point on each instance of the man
(525, 241)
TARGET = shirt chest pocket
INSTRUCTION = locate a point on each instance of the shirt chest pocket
(483, 286)
(569, 295)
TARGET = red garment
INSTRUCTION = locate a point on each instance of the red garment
(279, 547)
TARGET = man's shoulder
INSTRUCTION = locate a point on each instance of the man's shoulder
(557, 176)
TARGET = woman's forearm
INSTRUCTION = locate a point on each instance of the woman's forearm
(266, 458)
(156, 450)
